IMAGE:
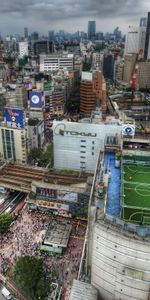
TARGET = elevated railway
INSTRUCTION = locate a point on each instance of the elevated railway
(20, 178)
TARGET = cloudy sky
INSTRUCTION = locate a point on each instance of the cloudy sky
(70, 15)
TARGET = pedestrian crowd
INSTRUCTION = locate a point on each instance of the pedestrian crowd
(25, 237)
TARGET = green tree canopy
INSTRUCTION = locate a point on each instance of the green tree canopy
(5, 221)
(41, 156)
(30, 278)
(35, 153)
(47, 156)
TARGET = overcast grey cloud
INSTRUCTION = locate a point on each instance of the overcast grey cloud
(70, 15)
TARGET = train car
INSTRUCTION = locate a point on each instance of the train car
(3, 190)
(2, 200)
(8, 210)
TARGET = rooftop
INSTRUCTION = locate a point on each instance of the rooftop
(58, 234)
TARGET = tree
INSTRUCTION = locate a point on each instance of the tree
(47, 156)
(35, 153)
(30, 278)
(5, 221)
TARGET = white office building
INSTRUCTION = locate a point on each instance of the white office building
(23, 49)
(135, 40)
(55, 62)
(77, 145)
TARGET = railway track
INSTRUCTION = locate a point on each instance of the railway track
(22, 177)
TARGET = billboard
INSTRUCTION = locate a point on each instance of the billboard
(47, 86)
(36, 99)
(67, 196)
(46, 193)
(52, 205)
(128, 130)
(28, 86)
(14, 117)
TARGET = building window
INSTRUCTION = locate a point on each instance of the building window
(13, 145)
(92, 153)
(92, 148)
(83, 167)
(82, 151)
(8, 144)
(82, 156)
(93, 142)
(82, 146)
(83, 141)
(4, 145)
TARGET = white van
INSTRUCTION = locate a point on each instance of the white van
(6, 293)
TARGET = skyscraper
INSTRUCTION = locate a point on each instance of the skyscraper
(25, 32)
(147, 39)
(91, 30)
(143, 22)
(135, 40)
(108, 65)
(51, 36)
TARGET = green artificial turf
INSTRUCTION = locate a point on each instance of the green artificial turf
(136, 198)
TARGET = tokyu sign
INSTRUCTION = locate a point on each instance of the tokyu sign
(60, 129)
(67, 132)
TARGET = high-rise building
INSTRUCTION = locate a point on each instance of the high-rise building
(132, 40)
(143, 22)
(117, 33)
(54, 62)
(26, 33)
(23, 49)
(108, 65)
(51, 36)
(92, 91)
(91, 30)
(34, 36)
(87, 96)
(147, 39)
(43, 47)
(129, 64)
(143, 77)
(135, 40)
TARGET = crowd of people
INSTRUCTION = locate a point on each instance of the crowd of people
(25, 237)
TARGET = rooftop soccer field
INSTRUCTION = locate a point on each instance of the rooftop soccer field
(136, 193)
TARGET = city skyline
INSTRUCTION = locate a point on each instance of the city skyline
(50, 15)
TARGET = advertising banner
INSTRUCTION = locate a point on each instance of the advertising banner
(67, 196)
(46, 192)
(47, 86)
(28, 86)
(36, 100)
(52, 205)
(14, 117)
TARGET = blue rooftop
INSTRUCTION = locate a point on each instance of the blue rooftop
(113, 191)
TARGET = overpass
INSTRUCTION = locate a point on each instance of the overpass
(20, 177)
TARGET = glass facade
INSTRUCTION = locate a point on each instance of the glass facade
(8, 144)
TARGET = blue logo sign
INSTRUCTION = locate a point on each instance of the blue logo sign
(128, 130)
(14, 117)
(36, 99)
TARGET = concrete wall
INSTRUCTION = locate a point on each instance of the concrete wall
(120, 264)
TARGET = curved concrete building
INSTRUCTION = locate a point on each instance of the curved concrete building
(119, 246)
(120, 263)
